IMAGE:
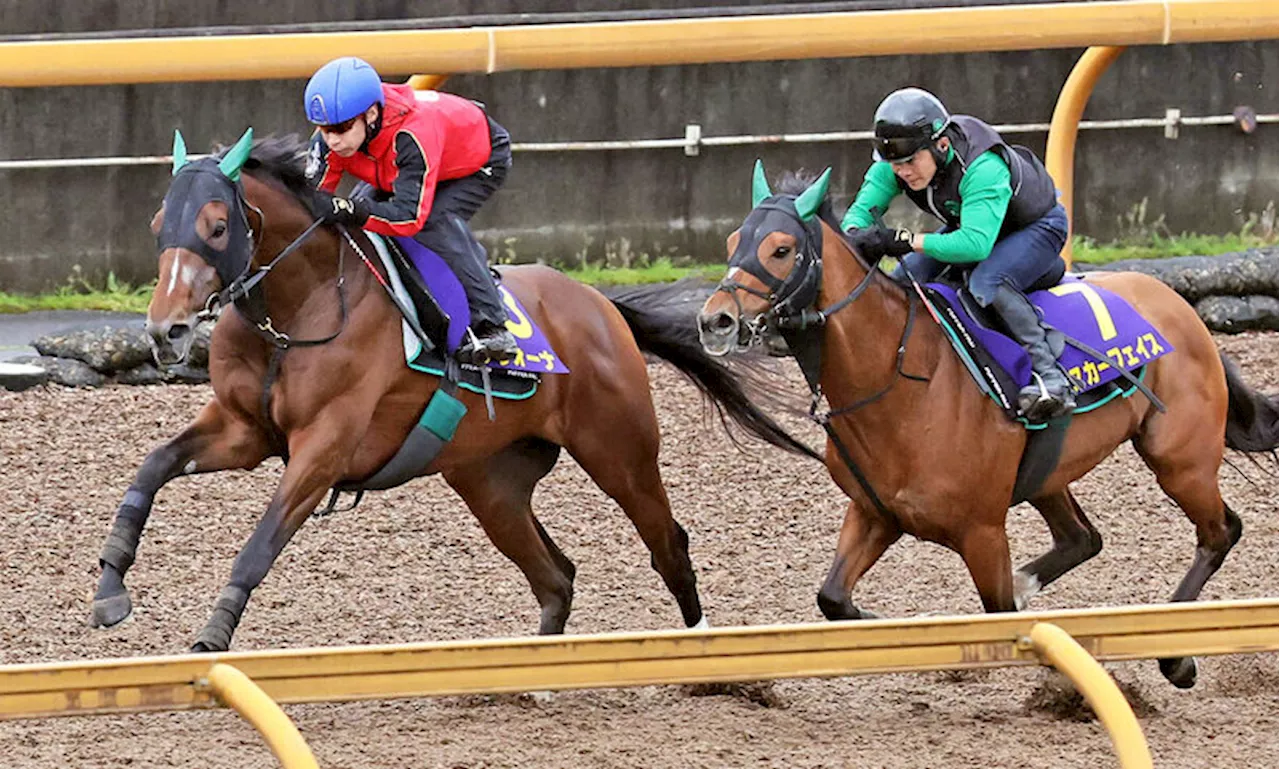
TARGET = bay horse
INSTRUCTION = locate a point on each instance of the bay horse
(339, 403)
(919, 449)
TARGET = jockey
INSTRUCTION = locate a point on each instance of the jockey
(432, 159)
(1002, 221)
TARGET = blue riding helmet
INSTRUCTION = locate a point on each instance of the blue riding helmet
(342, 89)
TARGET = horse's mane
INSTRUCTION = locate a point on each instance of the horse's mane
(796, 182)
(283, 159)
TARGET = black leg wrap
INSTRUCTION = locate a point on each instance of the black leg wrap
(122, 542)
(227, 610)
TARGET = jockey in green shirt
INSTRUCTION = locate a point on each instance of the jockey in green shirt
(1003, 227)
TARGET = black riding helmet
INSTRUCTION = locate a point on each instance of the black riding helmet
(907, 120)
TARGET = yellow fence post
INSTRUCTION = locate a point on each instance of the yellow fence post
(1061, 150)
(239, 692)
(1057, 647)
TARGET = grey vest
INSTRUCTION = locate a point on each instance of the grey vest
(1033, 191)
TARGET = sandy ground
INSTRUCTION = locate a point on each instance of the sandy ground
(413, 565)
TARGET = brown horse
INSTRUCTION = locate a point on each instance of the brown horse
(918, 448)
(337, 409)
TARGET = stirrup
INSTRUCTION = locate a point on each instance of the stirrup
(471, 351)
(474, 353)
(1046, 406)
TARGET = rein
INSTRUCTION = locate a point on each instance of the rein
(240, 291)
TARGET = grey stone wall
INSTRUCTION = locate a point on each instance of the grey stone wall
(622, 205)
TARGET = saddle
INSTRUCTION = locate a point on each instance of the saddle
(1094, 333)
(433, 294)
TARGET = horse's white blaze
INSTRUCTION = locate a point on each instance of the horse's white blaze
(183, 272)
(173, 274)
(189, 468)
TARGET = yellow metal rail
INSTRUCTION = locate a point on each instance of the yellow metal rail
(239, 693)
(1058, 648)
(642, 43)
(635, 659)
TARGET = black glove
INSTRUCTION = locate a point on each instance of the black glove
(876, 242)
(351, 212)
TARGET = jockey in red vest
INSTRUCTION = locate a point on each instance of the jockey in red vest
(432, 159)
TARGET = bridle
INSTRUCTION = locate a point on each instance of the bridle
(792, 312)
(791, 298)
(243, 289)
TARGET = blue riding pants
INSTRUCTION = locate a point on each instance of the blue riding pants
(1018, 259)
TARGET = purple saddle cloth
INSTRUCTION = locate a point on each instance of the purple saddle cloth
(1083, 311)
(535, 355)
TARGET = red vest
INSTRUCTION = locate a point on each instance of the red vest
(451, 132)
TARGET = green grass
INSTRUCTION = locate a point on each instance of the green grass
(1086, 250)
(79, 294)
(118, 296)
(661, 271)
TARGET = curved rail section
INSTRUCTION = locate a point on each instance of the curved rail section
(242, 695)
(1060, 152)
(1058, 648)
(253, 682)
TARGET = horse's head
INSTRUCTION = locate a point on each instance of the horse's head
(205, 242)
(775, 270)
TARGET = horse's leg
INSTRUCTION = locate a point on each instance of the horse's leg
(1075, 541)
(864, 537)
(316, 458)
(1186, 467)
(499, 491)
(985, 550)
(214, 441)
(620, 453)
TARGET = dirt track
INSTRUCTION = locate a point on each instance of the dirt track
(412, 565)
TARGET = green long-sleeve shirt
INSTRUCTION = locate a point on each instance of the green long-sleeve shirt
(984, 199)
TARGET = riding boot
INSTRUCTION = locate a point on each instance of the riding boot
(488, 341)
(1050, 393)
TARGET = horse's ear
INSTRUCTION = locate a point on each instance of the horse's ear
(179, 151)
(233, 161)
(809, 201)
(759, 185)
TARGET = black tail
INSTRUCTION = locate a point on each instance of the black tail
(1251, 415)
(663, 319)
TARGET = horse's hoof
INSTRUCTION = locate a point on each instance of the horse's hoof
(836, 609)
(868, 614)
(211, 640)
(110, 611)
(1181, 671)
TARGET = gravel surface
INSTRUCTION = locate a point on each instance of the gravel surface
(413, 565)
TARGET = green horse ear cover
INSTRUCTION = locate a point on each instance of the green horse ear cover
(759, 185)
(179, 151)
(234, 159)
(811, 199)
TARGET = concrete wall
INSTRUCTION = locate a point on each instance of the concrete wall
(628, 204)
